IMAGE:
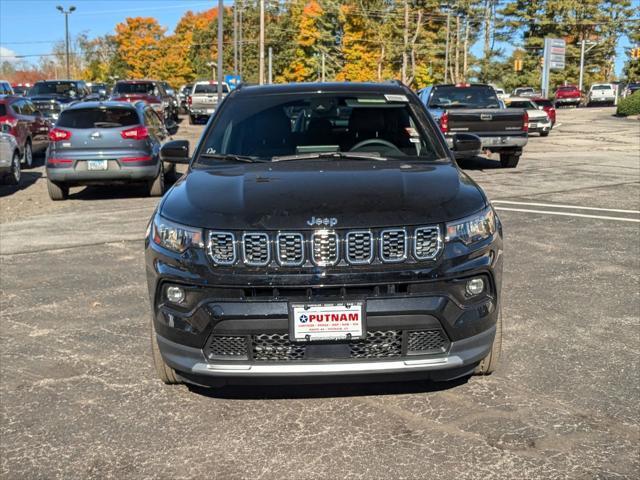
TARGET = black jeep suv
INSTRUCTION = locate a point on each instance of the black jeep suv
(323, 232)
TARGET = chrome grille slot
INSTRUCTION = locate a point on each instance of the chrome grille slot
(290, 249)
(359, 247)
(222, 248)
(256, 250)
(427, 243)
(325, 247)
(393, 245)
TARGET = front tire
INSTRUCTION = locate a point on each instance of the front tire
(489, 363)
(57, 191)
(509, 160)
(544, 134)
(28, 155)
(14, 176)
(164, 371)
(156, 187)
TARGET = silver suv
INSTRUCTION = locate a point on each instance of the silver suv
(105, 143)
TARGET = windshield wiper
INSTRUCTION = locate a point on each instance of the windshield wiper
(232, 156)
(330, 155)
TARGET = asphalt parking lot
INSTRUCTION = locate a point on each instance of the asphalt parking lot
(80, 399)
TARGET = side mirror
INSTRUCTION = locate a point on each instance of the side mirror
(175, 151)
(467, 143)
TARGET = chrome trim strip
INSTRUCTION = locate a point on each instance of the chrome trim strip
(438, 242)
(346, 247)
(292, 234)
(244, 249)
(406, 245)
(233, 240)
(308, 368)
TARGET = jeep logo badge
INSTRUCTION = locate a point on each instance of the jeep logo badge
(327, 222)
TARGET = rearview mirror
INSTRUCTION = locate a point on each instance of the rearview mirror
(175, 151)
(467, 143)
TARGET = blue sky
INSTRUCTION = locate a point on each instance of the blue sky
(31, 27)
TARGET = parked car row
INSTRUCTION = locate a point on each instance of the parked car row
(572, 96)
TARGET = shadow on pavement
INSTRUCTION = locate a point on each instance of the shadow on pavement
(331, 390)
(28, 179)
(118, 191)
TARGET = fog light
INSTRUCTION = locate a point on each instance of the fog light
(176, 294)
(475, 286)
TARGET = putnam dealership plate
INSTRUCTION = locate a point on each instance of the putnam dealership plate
(96, 165)
(327, 321)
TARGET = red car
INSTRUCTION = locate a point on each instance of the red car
(26, 123)
(567, 95)
(547, 106)
(149, 91)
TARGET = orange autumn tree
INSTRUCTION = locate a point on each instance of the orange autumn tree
(138, 41)
(304, 66)
(359, 49)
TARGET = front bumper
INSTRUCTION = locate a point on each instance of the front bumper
(202, 112)
(243, 315)
(537, 127)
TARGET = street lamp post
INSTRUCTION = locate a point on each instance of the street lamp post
(66, 14)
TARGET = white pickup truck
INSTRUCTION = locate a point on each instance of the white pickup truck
(601, 93)
(203, 100)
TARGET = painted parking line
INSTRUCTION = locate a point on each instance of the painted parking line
(567, 214)
(571, 207)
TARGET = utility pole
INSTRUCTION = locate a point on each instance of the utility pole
(270, 77)
(240, 39)
(235, 39)
(261, 66)
(66, 14)
(446, 48)
(584, 51)
(220, 46)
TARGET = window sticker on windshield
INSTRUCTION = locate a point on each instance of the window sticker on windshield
(396, 98)
(369, 100)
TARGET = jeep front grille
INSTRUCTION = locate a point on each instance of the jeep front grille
(222, 248)
(426, 243)
(359, 248)
(326, 247)
(290, 247)
(393, 245)
(256, 249)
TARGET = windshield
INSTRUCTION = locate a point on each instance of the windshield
(567, 89)
(97, 88)
(98, 118)
(449, 96)
(136, 88)
(601, 87)
(543, 103)
(59, 88)
(521, 104)
(268, 126)
(210, 88)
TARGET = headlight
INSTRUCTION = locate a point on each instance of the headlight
(175, 237)
(472, 229)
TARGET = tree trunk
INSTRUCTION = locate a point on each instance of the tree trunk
(466, 50)
(380, 62)
(456, 77)
(487, 41)
(413, 48)
(405, 44)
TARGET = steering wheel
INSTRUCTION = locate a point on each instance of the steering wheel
(374, 141)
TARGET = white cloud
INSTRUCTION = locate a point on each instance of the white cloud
(7, 55)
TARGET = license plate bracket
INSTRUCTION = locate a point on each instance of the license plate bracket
(327, 321)
(98, 165)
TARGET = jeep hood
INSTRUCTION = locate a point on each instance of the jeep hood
(286, 195)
